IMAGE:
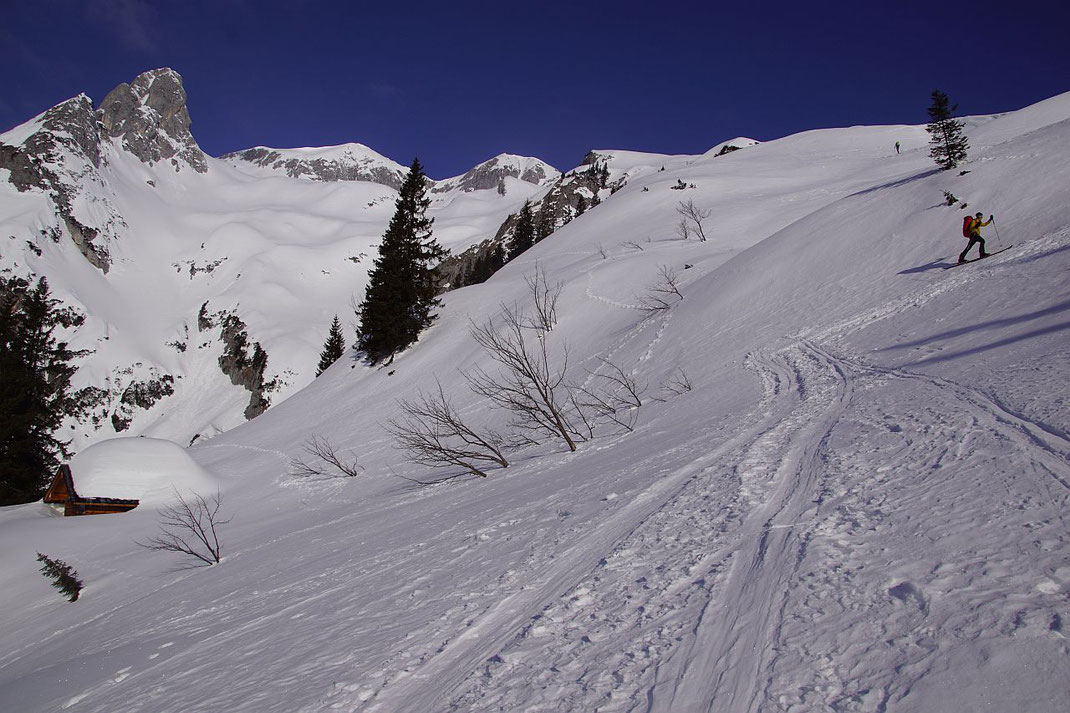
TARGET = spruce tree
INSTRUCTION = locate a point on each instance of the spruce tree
(35, 379)
(333, 348)
(947, 143)
(581, 206)
(524, 232)
(401, 287)
(63, 576)
(545, 223)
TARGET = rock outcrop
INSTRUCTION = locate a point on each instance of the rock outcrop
(492, 174)
(150, 118)
(569, 196)
(62, 158)
(349, 162)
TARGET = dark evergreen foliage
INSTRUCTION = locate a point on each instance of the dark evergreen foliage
(545, 223)
(581, 206)
(334, 347)
(35, 379)
(401, 287)
(524, 232)
(63, 576)
(947, 143)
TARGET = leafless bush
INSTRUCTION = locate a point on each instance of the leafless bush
(327, 463)
(434, 434)
(616, 400)
(602, 251)
(693, 215)
(632, 245)
(664, 293)
(527, 386)
(683, 229)
(191, 528)
(678, 384)
(544, 297)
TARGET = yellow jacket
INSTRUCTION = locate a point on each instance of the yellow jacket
(975, 227)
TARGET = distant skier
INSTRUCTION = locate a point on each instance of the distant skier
(897, 147)
(971, 228)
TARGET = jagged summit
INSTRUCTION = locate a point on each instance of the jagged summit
(150, 117)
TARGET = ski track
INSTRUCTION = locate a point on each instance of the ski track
(743, 580)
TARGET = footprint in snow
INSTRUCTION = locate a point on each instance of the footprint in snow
(909, 594)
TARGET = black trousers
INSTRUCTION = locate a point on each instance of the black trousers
(973, 239)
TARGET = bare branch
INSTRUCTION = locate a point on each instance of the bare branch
(664, 293)
(683, 229)
(632, 245)
(544, 296)
(678, 384)
(328, 464)
(692, 214)
(526, 385)
(434, 434)
(617, 400)
(190, 528)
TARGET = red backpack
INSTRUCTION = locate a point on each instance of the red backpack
(967, 223)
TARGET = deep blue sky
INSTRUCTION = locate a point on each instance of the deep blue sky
(457, 82)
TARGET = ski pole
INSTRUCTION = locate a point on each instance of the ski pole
(996, 227)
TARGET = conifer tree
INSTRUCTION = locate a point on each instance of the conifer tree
(35, 379)
(333, 348)
(947, 143)
(545, 224)
(63, 576)
(581, 206)
(524, 232)
(401, 287)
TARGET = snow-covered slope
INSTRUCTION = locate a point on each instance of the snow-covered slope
(178, 258)
(860, 503)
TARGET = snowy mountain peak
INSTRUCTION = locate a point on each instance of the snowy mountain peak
(344, 162)
(491, 174)
(150, 117)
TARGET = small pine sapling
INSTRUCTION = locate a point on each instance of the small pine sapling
(63, 576)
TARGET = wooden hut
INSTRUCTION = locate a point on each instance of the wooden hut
(62, 492)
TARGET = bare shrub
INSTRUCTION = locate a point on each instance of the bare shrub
(434, 434)
(326, 463)
(544, 297)
(190, 528)
(616, 400)
(632, 245)
(683, 229)
(664, 293)
(527, 386)
(693, 215)
(678, 384)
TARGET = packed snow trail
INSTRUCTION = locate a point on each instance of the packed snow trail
(753, 588)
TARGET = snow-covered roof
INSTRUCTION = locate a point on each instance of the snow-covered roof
(145, 469)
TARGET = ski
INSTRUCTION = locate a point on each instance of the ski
(967, 262)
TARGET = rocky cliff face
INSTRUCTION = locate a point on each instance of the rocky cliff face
(62, 152)
(349, 162)
(150, 119)
(568, 197)
(61, 157)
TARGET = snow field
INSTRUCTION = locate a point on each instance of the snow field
(861, 505)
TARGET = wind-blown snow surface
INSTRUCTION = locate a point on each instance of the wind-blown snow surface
(861, 505)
